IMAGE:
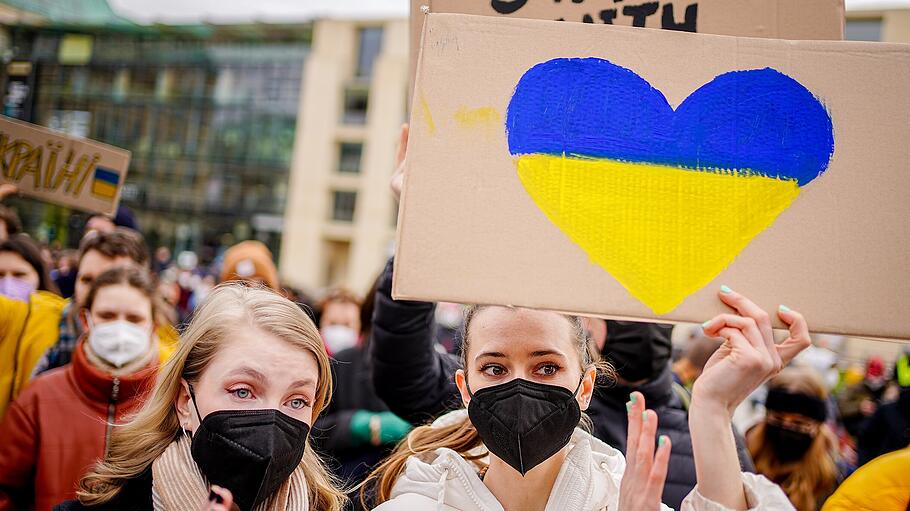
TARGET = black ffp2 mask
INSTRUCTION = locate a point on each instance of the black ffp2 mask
(788, 445)
(523, 422)
(249, 452)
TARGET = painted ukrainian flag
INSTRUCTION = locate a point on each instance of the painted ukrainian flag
(105, 183)
(661, 198)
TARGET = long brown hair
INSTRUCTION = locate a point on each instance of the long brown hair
(811, 478)
(138, 443)
(461, 436)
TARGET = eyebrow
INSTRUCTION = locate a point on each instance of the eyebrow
(248, 371)
(306, 382)
(534, 354)
(492, 354)
(546, 353)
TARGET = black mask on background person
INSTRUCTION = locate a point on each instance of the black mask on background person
(249, 452)
(638, 351)
(524, 422)
(788, 445)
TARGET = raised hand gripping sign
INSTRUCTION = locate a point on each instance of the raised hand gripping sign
(629, 173)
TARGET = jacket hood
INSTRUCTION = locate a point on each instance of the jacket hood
(588, 479)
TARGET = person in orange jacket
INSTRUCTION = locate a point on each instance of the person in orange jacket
(41, 334)
(61, 424)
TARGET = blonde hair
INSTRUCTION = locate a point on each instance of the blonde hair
(135, 445)
(461, 436)
(812, 477)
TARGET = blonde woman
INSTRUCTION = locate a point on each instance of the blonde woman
(527, 378)
(793, 445)
(231, 409)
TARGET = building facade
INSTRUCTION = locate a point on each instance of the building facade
(340, 219)
(208, 112)
(878, 20)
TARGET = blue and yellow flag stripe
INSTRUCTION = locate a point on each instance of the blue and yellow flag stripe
(105, 183)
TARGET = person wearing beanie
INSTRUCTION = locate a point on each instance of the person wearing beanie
(250, 261)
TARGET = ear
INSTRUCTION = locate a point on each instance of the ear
(461, 381)
(184, 407)
(83, 319)
(586, 389)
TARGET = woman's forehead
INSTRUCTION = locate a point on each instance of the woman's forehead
(246, 346)
(12, 259)
(514, 329)
(122, 297)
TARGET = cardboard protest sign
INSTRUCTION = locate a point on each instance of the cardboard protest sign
(780, 19)
(54, 167)
(630, 173)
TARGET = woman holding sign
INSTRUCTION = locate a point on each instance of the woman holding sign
(528, 376)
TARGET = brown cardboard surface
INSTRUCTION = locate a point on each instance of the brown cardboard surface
(61, 169)
(779, 19)
(469, 232)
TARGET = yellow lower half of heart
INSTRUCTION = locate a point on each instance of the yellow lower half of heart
(663, 232)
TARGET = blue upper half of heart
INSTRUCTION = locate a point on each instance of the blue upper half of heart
(757, 121)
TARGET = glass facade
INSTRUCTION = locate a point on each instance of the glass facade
(209, 119)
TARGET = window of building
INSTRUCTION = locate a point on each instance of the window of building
(349, 155)
(335, 257)
(863, 30)
(369, 48)
(356, 100)
(343, 206)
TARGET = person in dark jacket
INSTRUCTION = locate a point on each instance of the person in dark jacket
(888, 429)
(417, 382)
(357, 429)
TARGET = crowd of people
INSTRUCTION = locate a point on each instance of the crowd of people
(134, 380)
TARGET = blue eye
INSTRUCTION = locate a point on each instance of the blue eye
(242, 393)
(298, 404)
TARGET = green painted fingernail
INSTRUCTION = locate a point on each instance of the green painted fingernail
(644, 416)
(784, 308)
(629, 407)
(662, 440)
(633, 398)
(705, 324)
(725, 289)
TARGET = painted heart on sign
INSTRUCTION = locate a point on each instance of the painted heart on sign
(663, 199)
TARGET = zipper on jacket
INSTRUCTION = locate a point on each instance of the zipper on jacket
(111, 415)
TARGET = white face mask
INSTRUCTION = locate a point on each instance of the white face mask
(339, 338)
(119, 342)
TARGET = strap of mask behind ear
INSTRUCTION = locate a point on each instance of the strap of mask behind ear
(193, 396)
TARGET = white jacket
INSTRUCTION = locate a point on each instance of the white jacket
(588, 481)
